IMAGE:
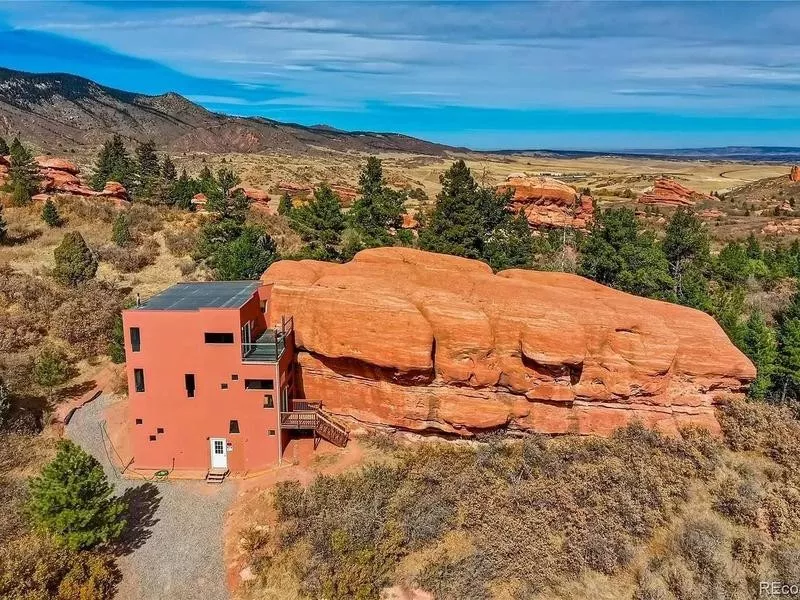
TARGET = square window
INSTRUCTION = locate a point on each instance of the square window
(224, 386)
(152, 438)
(268, 401)
(233, 427)
(235, 377)
(272, 432)
(138, 421)
(219, 447)
(160, 430)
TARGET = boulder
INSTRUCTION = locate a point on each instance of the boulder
(547, 202)
(253, 194)
(115, 189)
(199, 199)
(432, 343)
(794, 174)
(668, 192)
(410, 220)
(57, 164)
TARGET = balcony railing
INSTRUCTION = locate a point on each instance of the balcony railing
(269, 346)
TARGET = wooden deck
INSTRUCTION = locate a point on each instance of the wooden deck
(309, 415)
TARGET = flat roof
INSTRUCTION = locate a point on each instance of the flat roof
(202, 294)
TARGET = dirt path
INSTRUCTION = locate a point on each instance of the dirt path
(174, 547)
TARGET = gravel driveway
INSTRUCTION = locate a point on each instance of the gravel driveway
(173, 548)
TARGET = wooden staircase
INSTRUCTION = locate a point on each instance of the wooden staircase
(309, 415)
(216, 476)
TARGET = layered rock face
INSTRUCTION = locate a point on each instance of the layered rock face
(60, 177)
(548, 202)
(667, 192)
(794, 174)
(427, 342)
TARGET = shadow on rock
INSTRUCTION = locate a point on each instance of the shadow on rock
(143, 502)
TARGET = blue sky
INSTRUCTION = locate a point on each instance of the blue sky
(586, 75)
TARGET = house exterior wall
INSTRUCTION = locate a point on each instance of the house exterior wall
(173, 345)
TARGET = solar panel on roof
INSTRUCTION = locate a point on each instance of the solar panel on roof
(195, 295)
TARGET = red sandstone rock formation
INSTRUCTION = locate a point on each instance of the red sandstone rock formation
(712, 213)
(259, 199)
(667, 192)
(295, 189)
(794, 174)
(410, 220)
(57, 164)
(347, 193)
(428, 342)
(548, 202)
(788, 227)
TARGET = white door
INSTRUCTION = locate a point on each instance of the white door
(219, 454)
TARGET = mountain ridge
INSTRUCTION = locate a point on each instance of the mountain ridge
(57, 110)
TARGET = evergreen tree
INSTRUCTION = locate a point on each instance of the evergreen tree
(687, 248)
(73, 500)
(617, 254)
(121, 232)
(379, 209)
(4, 149)
(227, 179)
(464, 215)
(116, 347)
(320, 222)
(113, 164)
(168, 171)
(3, 226)
(733, 264)
(181, 191)
(760, 345)
(50, 369)
(788, 369)
(511, 245)
(75, 262)
(245, 257)
(50, 214)
(753, 247)
(148, 170)
(285, 205)
(23, 174)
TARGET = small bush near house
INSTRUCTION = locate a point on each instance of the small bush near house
(130, 259)
(36, 568)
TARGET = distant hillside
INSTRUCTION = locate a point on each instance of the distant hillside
(57, 110)
(778, 154)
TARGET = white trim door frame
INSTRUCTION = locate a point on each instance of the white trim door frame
(219, 453)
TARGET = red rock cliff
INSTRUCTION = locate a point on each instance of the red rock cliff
(428, 342)
(794, 174)
(668, 192)
(548, 202)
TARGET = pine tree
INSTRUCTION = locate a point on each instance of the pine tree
(113, 164)
(168, 171)
(73, 500)
(227, 179)
(75, 262)
(285, 205)
(23, 175)
(4, 149)
(3, 226)
(120, 232)
(181, 192)
(148, 169)
(788, 369)
(379, 209)
(464, 215)
(245, 257)
(116, 347)
(511, 245)
(50, 214)
(687, 248)
(320, 222)
(760, 346)
(50, 369)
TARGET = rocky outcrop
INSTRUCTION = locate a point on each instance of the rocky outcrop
(259, 199)
(794, 174)
(788, 227)
(347, 193)
(547, 202)
(427, 342)
(668, 192)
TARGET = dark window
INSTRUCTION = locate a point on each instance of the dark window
(152, 438)
(234, 427)
(219, 338)
(235, 377)
(160, 430)
(136, 341)
(268, 402)
(272, 432)
(224, 386)
(263, 306)
(138, 378)
(138, 421)
(259, 384)
(189, 379)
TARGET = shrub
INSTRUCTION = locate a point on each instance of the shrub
(72, 500)
(51, 368)
(86, 321)
(180, 242)
(75, 262)
(120, 232)
(50, 214)
(130, 260)
(33, 568)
